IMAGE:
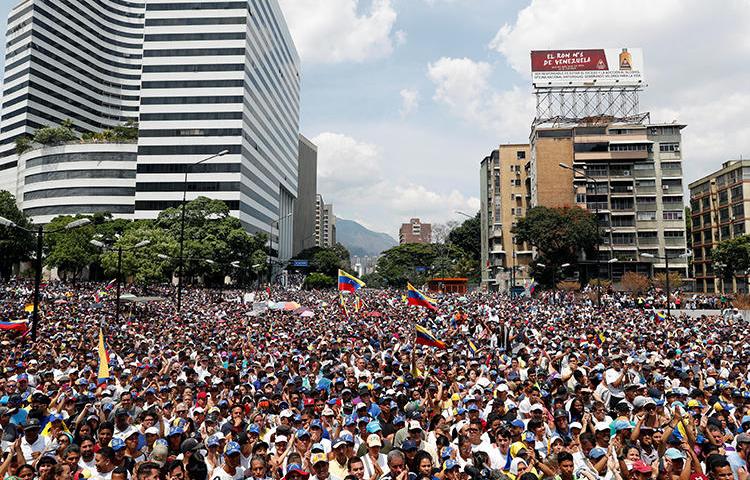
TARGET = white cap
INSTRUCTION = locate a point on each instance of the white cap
(152, 431)
(536, 406)
(601, 426)
(374, 441)
(503, 387)
(576, 425)
(286, 413)
(414, 425)
(280, 438)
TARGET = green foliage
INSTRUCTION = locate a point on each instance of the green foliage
(375, 280)
(143, 264)
(128, 132)
(69, 250)
(559, 234)
(418, 262)
(319, 281)
(467, 237)
(23, 144)
(16, 245)
(732, 256)
(56, 135)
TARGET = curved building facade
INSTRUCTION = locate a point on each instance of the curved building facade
(77, 179)
(69, 59)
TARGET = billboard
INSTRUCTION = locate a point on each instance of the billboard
(587, 68)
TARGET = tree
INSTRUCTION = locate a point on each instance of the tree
(467, 237)
(69, 250)
(635, 283)
(675, 280)
(318, 280)
(143, 265)
(327, 262)
(732, 256)
(559, 234)
(56, 135)
(16, 245)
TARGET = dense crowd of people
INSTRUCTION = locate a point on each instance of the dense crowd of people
(549, 387)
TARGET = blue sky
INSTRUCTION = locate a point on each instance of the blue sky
(405, 97)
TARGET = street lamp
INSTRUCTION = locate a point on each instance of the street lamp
(102, 245)
(470, 217)
(598, 228)
(38, 263)
(609, 265)
(270, 242)
(666, 264)
(188, 167)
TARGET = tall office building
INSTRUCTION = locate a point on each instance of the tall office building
(415, 232)
(717, 204)
(307, 187)
(200, 76)
(325, 223)
(505, 188)
(630, 175)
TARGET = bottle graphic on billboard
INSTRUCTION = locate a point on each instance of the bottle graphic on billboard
(626, 61)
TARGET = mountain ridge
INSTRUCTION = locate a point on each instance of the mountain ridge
(360, 240)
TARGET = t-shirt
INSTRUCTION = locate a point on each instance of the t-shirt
(612, 375)
(221, 474)
(28, 449)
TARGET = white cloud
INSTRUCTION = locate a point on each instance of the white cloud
(400, 36)
(334, 31)
(692, 53)
(409, 101)
(350, 175)
(464, 85)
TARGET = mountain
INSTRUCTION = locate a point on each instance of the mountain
(360, 240)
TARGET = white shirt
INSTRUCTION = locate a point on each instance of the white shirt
(612, 375)
(221, 474)
(27, 449)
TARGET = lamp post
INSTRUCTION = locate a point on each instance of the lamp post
(188, 167)
(598, 232)
(666, 264)
(38, 261)
(270, 243)
(120, 249)
(609, 264)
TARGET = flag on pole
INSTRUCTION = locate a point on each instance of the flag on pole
(349, 283)
(599, 338)
(659, 316)
(424, 337)
(29, 307)
(473, 347)
(111, 284)
(103, 374)
(415, 297)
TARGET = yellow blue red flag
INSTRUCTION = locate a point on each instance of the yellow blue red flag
(424, 337)
(415, 297)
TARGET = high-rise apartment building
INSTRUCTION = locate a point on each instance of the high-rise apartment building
(505, 197)
(325, 223)
(307, 188)
(200, 76)
(630, 175)
(717, 204)
(415, 232)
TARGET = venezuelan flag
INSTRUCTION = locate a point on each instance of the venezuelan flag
(17, 325)
(599, 338)
(103, 375)
(111, 284)
(415, 297)
(29, 307)
(424, 337)
(473, 347)
(659, 316)
(349, 283)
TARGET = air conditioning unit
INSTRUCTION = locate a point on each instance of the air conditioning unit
(665, 187)
(630, 188)
(677, 148)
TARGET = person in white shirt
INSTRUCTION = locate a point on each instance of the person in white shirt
(33, 445)
(231, 470)
(105, 463)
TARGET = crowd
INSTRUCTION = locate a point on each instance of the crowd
(525, 389)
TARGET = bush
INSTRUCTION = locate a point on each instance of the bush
(23, 144)
(675, 280)
(319, 281)
(56, 135)
(741, 302)
(127, 132)
(635, 282)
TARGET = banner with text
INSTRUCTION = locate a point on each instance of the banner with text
(587, 68)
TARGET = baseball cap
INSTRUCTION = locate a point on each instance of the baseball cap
(640, 466)
(601, 426)
(597, 453)
(338, 443)
(674, 454)
(576, 425)
(212, 441)
(450, 464)
(316, 458)
(117, 444)
(232, 448)
(414, 425)
(409, 445)
(296, 468)
(374, 441)
(152, 431)
(189, 445)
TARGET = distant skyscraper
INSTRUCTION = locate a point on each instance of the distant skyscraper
(200, 76)
(304, 206)
(325, 223)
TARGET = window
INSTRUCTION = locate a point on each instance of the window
(80, 192)
(739, 210)
(193, 52)
(723, 197)
(71, 174)
(739, 228)
(646, 216)
(669, 147)
(673, 215)
(674, 234)
(628, 147)
(643, 166)
(736, 193)
(580, 198)
(520, 155)
(590, 147)
(724, 214)
(153, 22)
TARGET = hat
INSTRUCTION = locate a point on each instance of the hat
(302, 433)
(316, 458)
(152, 431)
(597, 453)
(296, 468)
(536, 407)
(286, 413)
(280, 439)
(253, 428)
(409, 445)
(561, 412)
(641, 467)
(232, 448)
(373, 440)
(189, 445)
(576, 425)
(674, 454)
(529, 437)
(175, 431)
(31, 424)
(743, 438)
(621, 425)
(211, 441)
(121, 412)
(117, 444)
(316, 424)
(339, 442)
(601, 427)
(414, 425)
(450, 464)
(518, 423)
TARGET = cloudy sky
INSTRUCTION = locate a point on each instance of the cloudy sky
(405, 97)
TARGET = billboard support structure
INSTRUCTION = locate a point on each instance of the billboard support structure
(574, 104)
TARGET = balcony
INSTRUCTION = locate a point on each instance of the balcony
(645, 189)
(671, 172)
(593, 206)
(674, 241)
(648, 241)
(620, 173)
(645, 206)
(650, 173)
